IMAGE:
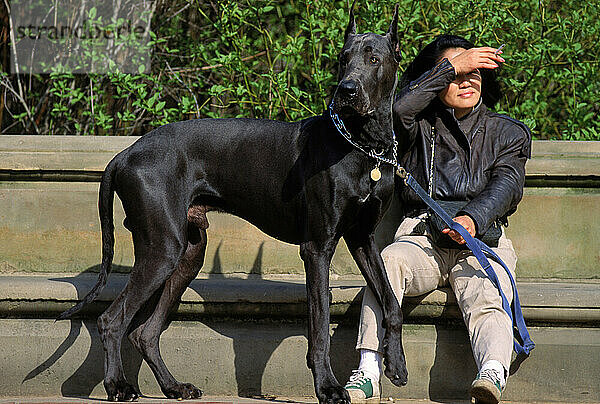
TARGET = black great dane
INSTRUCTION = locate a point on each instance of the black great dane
(300, 182)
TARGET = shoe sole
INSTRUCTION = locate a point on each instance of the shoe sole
(361, 400)
(485, 392)
(365, 400)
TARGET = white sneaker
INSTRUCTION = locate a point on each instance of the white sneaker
(362, 388)
(487, 387)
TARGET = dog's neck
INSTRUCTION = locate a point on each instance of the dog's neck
(374, 131)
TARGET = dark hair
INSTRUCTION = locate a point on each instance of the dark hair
(428, 58)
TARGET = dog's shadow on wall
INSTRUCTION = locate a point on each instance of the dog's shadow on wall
(449, 378)
(252, 351)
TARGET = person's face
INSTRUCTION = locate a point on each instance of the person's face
(465, 91)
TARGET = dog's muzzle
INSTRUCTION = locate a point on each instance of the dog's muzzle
(350, 98)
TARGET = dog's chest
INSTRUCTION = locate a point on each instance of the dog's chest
(381, 189)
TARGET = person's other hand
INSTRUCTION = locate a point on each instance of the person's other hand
(466, 222)
(476, 58)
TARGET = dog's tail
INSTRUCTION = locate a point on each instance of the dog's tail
(105, 208)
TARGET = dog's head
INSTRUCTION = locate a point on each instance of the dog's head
(368, 65)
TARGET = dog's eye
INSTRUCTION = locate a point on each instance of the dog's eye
(374, 60)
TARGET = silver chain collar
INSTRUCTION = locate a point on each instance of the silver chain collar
(339, 124)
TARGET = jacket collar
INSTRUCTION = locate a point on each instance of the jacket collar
(470, 114)
(463, 129)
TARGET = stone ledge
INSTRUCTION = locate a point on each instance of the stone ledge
(45, 296)
(45, 179)
(72, 154)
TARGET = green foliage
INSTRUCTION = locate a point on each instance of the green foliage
(278, 60)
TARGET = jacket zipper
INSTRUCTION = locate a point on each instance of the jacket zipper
(469, 162)
(431, 163)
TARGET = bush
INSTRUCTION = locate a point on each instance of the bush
(278, 60)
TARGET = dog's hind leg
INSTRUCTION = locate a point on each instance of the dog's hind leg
(155, 261)
(146, 336)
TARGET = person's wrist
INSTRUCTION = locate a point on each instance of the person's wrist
(453, 64)
(458, 66)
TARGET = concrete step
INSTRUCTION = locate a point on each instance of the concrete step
(39, 357)
(245, 337)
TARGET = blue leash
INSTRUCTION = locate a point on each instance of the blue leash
(523, 343)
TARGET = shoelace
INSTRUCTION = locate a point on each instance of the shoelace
(493, 375)
(357, 376)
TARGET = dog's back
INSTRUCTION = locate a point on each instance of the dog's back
(256, 169)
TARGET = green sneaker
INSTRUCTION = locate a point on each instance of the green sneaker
(362, 389)
(487, 387)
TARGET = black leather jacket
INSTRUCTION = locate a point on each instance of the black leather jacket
(479, 158)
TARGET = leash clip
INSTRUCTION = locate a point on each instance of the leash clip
(402, 173)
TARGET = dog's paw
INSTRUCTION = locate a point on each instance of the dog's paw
(333, 395)
(398, 377)
(395, 362)
(185, 391)
(121, 391)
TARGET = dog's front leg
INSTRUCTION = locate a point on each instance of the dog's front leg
(317, 259)
(365, 252)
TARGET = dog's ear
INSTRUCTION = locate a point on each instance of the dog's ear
(392, 34)
(351, 28)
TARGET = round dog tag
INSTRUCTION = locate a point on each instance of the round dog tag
(375, 174)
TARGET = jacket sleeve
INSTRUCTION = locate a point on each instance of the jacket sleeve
(504, 190)
(415, 97)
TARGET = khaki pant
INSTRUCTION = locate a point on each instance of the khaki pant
(414, 266)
